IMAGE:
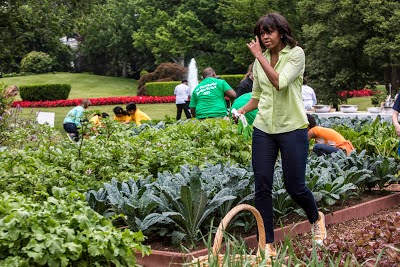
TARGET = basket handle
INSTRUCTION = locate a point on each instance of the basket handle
(225, 221)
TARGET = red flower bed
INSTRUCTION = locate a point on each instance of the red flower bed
(96, 101)
(356, 93)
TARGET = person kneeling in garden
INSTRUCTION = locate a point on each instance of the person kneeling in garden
(121, 115)
(73, 120)
(327, 140)
(137, 115)
(96, 121)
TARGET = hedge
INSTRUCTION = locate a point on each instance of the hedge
(161, 88)
(44, 92)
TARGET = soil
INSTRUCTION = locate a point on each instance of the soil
(346, 228)
(340, 234)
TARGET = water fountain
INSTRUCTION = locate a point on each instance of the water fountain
(193, 80)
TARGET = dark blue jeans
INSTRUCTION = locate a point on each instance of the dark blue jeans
(322, 149)
(72, 129)
(293, 147)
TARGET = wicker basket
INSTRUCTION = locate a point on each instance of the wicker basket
(253, 260)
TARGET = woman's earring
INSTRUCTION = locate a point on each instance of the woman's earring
(281, 36)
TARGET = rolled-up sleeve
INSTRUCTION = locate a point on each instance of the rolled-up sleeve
(293, 68)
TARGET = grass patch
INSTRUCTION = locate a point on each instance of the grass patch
(83, 85)
(363, 102)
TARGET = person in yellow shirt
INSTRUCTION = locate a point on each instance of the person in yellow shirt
(327, 140)
(121, 115)
(137, 115)
(96, 121)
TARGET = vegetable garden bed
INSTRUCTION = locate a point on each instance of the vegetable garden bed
(174, 180)
(171, 256)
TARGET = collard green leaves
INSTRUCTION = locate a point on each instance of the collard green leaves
(61, 232)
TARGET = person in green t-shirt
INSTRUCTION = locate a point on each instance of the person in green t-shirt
(208, 98)
(241, 101)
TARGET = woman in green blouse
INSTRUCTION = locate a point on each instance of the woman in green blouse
(281, 122)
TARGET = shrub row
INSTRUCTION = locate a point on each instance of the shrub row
(45, 92)
(161, 88)
(167, 88)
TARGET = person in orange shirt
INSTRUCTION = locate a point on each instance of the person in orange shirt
(327, 140)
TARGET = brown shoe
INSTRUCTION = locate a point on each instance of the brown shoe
(319, 229)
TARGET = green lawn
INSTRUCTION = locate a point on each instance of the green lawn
(82, 85)
(363, 102)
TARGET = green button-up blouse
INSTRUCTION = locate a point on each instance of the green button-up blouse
(281, 111)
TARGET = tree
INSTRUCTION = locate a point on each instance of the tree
(34, 25)
(174, 33)
(381, 18)
(237, 22)
(106, 36)
(334, 46)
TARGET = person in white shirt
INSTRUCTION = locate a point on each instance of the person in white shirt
(182, 93)
(308, 94)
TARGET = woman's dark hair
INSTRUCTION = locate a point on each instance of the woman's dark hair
(275, 21)
(311, 121)
(104, 115)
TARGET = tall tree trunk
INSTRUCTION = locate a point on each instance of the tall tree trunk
(124, 69)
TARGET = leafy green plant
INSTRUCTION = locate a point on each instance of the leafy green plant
(38, 158)
(5, 102)
(328, 181)
(187, 204)
(378, 97)
(136, 200)
(385, 172)
(377, 138)
(61, 231)
(239, 182)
